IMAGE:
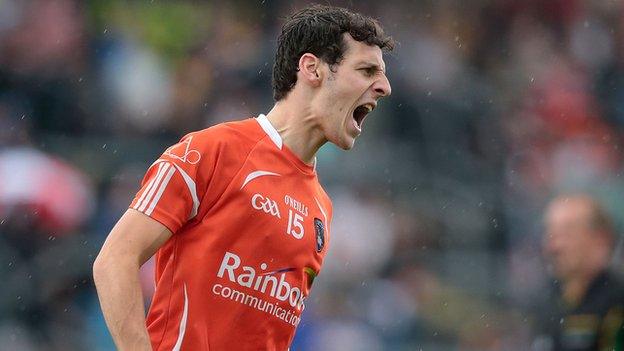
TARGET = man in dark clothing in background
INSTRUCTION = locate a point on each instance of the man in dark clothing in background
(589, 309)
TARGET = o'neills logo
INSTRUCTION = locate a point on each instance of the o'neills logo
(259, 280)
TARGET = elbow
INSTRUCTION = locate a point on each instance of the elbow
(100, 268)
(109, 265)
(103, 266)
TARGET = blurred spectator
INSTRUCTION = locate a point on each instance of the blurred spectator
(43, 203)
(588, 310)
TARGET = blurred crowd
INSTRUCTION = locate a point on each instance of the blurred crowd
(497, 106)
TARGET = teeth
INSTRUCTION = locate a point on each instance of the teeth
(369, 107)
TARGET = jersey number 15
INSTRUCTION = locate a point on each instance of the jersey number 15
(295, 225)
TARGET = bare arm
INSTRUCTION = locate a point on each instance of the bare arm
(133, 240)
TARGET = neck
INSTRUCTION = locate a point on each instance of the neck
(298, 127)
(574, 289)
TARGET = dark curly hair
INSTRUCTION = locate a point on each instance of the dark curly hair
(318, 30)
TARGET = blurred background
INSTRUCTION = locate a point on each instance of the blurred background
(497, 105)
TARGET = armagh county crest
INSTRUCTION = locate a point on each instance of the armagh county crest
(320, 234)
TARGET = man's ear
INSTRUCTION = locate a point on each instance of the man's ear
(310, 69)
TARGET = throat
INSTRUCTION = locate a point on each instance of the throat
(301, 136)
(301, 145)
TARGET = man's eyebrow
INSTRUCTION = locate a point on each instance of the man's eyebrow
(376, 66)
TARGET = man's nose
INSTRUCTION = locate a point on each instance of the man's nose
(382, 87)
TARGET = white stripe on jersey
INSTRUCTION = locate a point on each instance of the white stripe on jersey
(148, 188)
(147, 199)
(163, 185)
(182, 329)
(165, 170)
(255, 174)
(324, 215)
(190, 183)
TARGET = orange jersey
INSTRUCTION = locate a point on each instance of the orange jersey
(251, 229)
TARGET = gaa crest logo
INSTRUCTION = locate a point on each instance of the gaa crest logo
(265, 204)
(320, 234)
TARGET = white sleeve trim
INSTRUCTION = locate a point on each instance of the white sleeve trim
(163, 166)
(148, 187)
(148, 194)
(160, 191)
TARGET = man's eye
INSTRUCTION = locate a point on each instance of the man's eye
(369, 71)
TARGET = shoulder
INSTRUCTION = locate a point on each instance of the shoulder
(325, 197)
(225, 141)
(244, 132)
(614, 282)
(606, 290)
(325, 200)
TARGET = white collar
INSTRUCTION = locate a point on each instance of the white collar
(270, 130)
(272, 133)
